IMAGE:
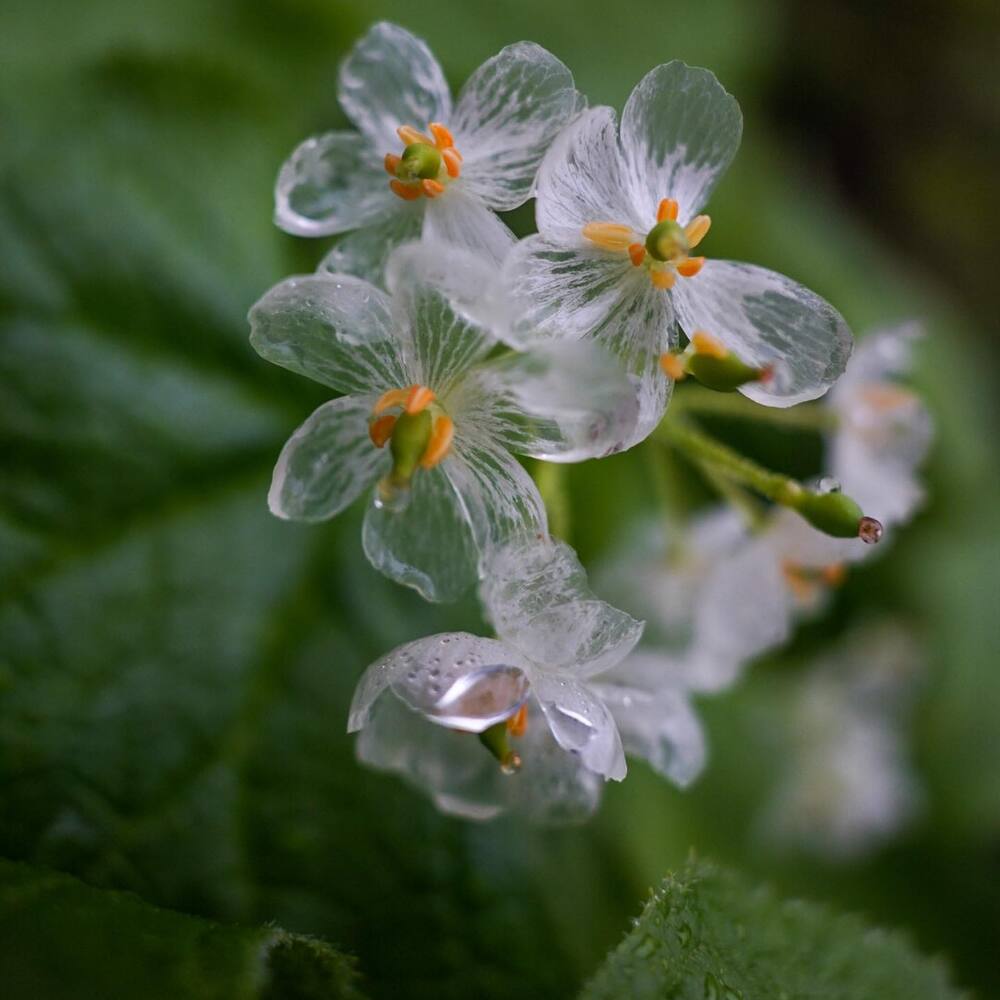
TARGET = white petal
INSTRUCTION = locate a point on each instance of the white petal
(335, 329)
(680, 131)
(767, 318)
(435, 304)
(558, 293)
(391, 78)
(428, 545)
(327, 463)
(458, 219)
(364, 253)
(535, 592)
(455, 679)
(509, 111)
(331, 183)
(581, 723)
(661, 727)
(583, 179)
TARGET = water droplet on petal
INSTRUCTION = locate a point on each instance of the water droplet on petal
(392, 498)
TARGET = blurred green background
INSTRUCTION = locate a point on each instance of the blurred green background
(175, 665)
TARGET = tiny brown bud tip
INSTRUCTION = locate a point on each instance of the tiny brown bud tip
(869, 530)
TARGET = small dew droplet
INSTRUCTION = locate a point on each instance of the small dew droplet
(511, 763)
(829, 485)
(869, 530)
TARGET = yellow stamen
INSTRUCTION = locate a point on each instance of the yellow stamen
(690, 267)
(662, 278)
(637, 253)
(802, 588)
(442, 136)
(517, 724)
(705, 343)
(834, 574)
(407, 192)
(432, 188)
(673, 366)
(439, 444)
(394, 397)
(609, 235)
(409, 135)
(391, 161)
(667, 210)
(452, 161)
(380, 430)
(696, 229)
(418, 397)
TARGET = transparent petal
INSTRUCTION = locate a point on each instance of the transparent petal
(365, 252)
(680, 131)
(583, 179)
(508, 112)
(660, 727)
(455, 679)
(536, 595)
(435, 301)
(581, 723)
(327, 463)
(428, 545)
(558, 293)
(391, 78)
(564, 402)
(331, 183)
(334, 329)
(767, 318)
(458, 219)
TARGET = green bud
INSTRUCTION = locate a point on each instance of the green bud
(721, 374)
(666, 240)
(419, 162)
(408, 443)
(832, 513)
(495, 740)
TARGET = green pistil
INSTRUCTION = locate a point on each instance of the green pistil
(666, 241)
(408, 443)
(419, 162)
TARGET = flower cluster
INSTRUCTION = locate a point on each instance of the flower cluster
(453, 348)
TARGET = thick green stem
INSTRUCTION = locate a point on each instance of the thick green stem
(698, 400)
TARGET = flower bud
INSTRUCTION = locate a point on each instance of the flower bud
(495, 740)
(419, 162)
(723, 374)
(833, 513)
(666, 240)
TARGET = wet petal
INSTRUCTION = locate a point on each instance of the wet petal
(391, 78)
(334, 329)
(331, 183)
(428, 545)
(327, 463)
(680, 131)
(509, 111)
(767, 318)
(365, 252)
(458, 219)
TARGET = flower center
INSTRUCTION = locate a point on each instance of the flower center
(665, 251)
(426, 165)
(419, 435)
(495, 739)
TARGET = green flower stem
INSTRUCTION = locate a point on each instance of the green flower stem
(752, 509)
(550, 478)
(696, 399)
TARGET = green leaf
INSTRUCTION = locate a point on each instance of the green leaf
(708, 934)
(62, 938)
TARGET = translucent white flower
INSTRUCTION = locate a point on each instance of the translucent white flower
(426, 416)
(547, 700)
(618, 219)
(450, 167)
(848, 785)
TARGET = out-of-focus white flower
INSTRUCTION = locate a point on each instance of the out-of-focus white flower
(451, 167)
(425, 416)
(618, 219)
(848, 785)
(551, 700)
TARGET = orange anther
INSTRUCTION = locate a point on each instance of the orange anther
(834, 574)
(705, 343)
(432, 188)
(884, 396)
(673, 366)
(667, 210)
(394, 397)
(408, 192)
(391, 161)
(442, 137)
(418, 397)
(380, 430)
(409, 135)
(609, 235)
(803, 589)
(696, 229)
(439, 444)
(637, 253)
(517, 724)
(452, 161)
(662, 278)
(690, 267)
